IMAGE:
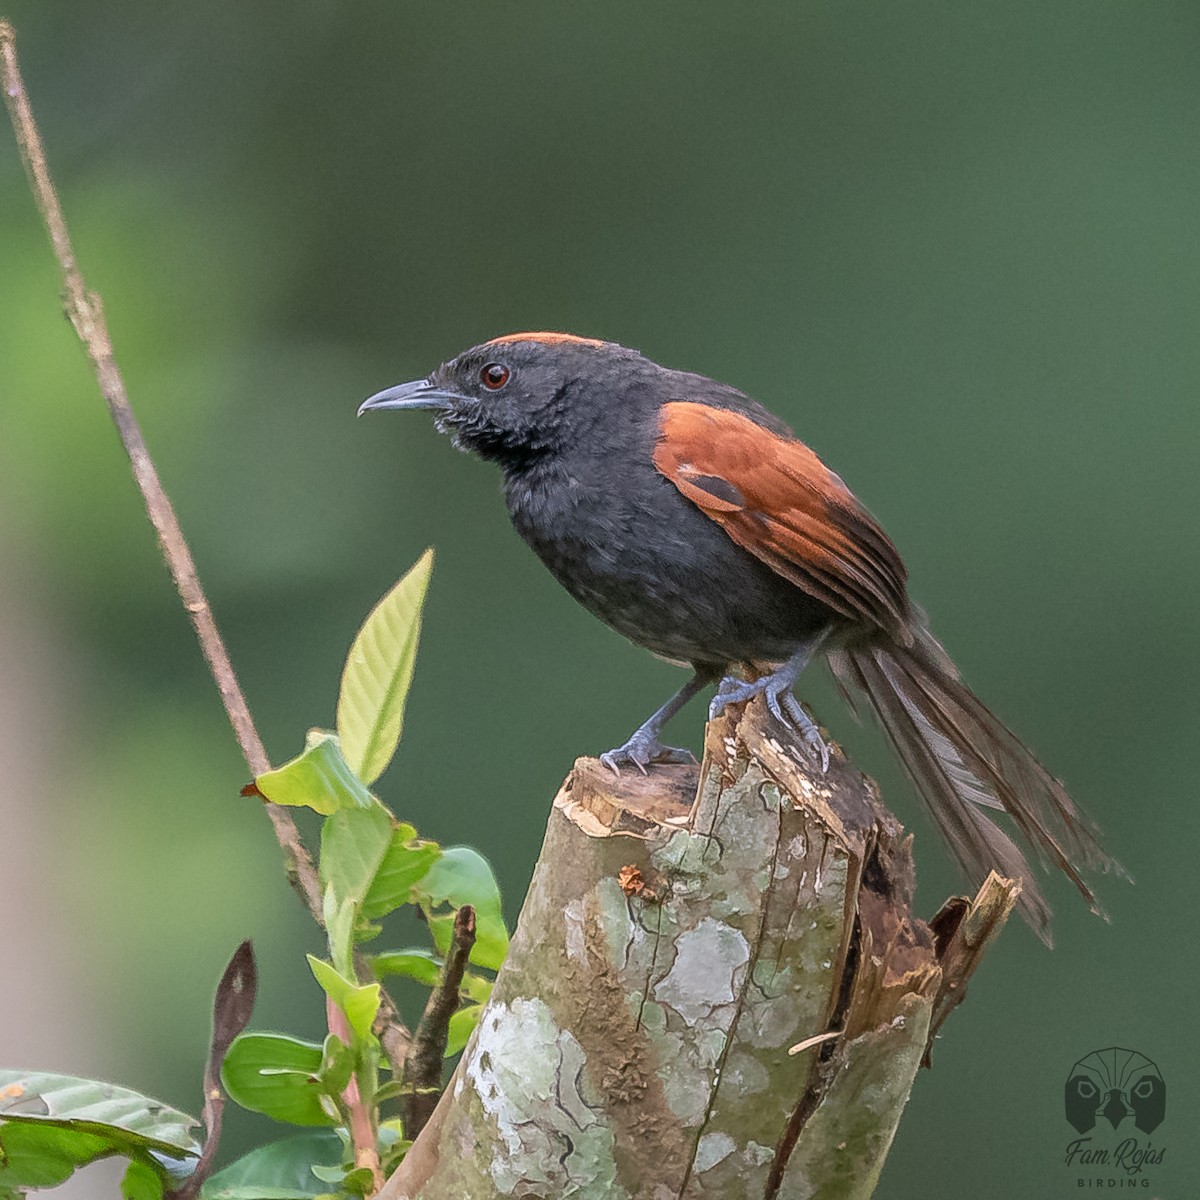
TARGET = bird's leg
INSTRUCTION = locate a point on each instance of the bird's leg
(644, 747)
(777, 687)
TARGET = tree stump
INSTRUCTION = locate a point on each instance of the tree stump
(717, 988)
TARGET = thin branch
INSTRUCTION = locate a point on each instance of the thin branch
(86, 313)
(422, 1078)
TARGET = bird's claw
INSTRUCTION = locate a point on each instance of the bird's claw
(785, 708)
(641, 751)
(734, 691)
(808, 730)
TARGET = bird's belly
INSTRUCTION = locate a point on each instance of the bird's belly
(695, 598)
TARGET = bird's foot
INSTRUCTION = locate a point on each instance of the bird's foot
(642, 749)
(784, 706)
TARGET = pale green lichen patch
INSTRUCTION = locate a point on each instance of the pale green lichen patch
(626, 940)
(756, 1155)
(686, 1085)
(653, 1016)
(682, 853)
(573, 939)
(802, 942)
(693, 1004)
(705, 974)
(710, 1046)
(529, 1077)
(740, 818)
(745, 1074)
(711, 1149)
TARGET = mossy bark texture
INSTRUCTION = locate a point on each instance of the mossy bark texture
(683, 932)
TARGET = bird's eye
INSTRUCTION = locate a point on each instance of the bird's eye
(494, 376)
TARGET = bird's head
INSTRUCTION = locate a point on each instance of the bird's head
(519, 397)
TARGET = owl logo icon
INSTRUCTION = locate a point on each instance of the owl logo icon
(1116, 1086)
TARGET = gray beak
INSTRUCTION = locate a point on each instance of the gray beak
(418, 394)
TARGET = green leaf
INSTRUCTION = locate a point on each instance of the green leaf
(43, 1157)
(277, 1075)
(462, 876)
(318, 779)
(462, 1025)
(141, 1182)
(378, 671)
(405, 863)
(279, 1171)
(425, 966)
(414, 963)
(476, 988)
(359, 1181)
(334, 1174)
(359, 1001)
(339, 929)
(393, 1145)
(337, 1065)
(93, 1105)
(353, 844)
(51, 1124)
(389, 1091)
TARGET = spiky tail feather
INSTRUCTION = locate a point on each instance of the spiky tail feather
(963, 760)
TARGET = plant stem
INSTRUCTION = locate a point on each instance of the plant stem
(422, 1078)
(361, 1121)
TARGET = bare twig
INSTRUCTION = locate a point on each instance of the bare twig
(86, 313)
(422, 1078)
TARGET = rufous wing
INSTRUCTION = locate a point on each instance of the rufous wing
(778, 500)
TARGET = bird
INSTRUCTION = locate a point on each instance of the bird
(691, 520)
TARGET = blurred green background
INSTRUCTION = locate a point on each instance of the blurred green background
(956, 246)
